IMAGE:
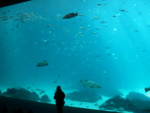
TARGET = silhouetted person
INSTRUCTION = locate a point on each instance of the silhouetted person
(59, 97)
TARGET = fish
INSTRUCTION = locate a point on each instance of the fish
(42, 63)
(99, 4)
(123, 10)
(70, 15)
(81, 27)
(90, 84)
(147, 89)
(96, 17)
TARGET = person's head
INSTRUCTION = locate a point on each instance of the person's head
(58, 88)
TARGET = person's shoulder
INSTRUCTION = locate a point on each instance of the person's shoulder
(63, 93)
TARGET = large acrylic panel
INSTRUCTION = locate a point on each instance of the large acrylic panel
(98, 54)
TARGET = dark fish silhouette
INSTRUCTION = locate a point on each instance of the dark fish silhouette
(70, 15)
(42, 63)
(90, 84)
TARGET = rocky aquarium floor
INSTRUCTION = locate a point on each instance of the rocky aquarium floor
(132, 102)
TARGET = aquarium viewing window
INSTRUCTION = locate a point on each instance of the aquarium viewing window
(96, 50)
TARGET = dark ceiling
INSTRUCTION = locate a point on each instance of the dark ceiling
(4, 3)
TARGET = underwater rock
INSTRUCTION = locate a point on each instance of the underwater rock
(40, 91)
(119, 103)
(84, 96)
(34, 96)
(137, 96)
(45, 99)
(21, 94)
(42, 63)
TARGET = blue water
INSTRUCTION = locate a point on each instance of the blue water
(108, 43)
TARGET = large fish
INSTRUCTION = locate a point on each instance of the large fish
(70, 15)
(90, 84)
(42, 63)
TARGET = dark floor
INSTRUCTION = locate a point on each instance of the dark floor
(40, 107)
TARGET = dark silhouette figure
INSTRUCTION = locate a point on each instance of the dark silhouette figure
(59, 97)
